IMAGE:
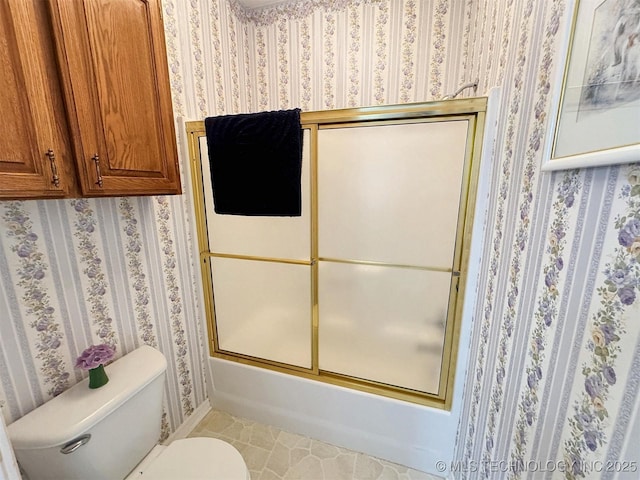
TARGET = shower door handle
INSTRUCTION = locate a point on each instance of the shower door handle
(73, 445)
(456, 274)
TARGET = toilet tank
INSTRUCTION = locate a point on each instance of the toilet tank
(106, 431)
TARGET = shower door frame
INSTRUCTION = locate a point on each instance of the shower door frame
(474, 111)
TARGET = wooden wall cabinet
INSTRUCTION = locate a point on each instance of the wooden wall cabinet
(85, 89)
(32, 112)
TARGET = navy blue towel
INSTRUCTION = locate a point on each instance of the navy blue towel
(256, 163)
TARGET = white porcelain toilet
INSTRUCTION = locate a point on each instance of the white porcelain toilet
(112, 432)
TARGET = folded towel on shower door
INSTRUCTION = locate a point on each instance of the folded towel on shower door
(256, 163)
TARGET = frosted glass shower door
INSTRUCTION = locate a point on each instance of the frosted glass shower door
(263, 309)
(391, 193)
(384, 324)
(365, 289)
(388, 214)
(273, 237)
(261, 277)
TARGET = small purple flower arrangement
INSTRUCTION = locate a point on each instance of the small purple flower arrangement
(93, 359)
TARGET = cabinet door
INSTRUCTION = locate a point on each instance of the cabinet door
(33, 119)
(117, 93)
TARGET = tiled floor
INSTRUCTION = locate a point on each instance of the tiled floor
(273, 454)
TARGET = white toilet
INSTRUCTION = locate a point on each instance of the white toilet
(112, 432)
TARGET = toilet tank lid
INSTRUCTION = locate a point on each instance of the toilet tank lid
(79, 408)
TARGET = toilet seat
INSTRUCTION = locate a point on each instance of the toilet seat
(197, 459)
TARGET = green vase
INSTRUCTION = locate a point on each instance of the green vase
(97, 377)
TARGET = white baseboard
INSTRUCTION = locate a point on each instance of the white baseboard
(190, 423)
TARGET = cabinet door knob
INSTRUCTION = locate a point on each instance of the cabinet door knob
(96, 159)
(55, 179)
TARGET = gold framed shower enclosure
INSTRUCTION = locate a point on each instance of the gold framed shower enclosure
(326, 132)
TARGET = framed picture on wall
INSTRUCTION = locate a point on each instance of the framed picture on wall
(597, 121)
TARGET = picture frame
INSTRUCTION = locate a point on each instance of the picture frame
(596, 119)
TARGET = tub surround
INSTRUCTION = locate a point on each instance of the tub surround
(394, 430)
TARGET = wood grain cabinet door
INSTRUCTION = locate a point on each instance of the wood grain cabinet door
(32, 120)
(116, 83)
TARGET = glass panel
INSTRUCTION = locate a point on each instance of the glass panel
(263, 309)
(390, 193)
(272, 237)
(384, 324)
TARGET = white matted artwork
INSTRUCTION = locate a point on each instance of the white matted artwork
(598, 115)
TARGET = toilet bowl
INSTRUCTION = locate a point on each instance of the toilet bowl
(192, 459)
(112, 432)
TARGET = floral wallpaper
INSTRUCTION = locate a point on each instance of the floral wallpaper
(31, 270)
(554, 373)
(551, 376)
(617, 293)
(86, 271)
(546, 311)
